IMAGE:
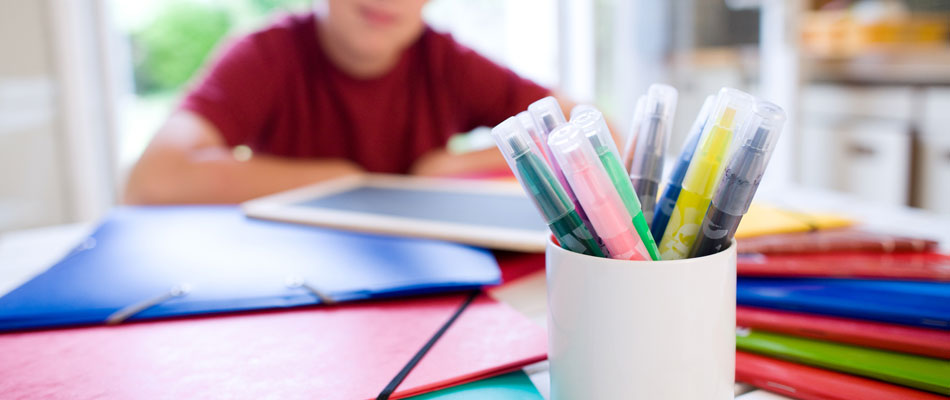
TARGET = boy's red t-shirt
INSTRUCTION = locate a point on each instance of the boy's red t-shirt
(277, 92)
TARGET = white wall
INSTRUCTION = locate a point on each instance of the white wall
(55, 162)
(31, 169)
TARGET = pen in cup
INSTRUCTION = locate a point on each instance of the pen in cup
(664, 205)
(590, 182)
(591, 122)
(547, 116)
(704, 173)
(538, 181)
(535, 132)
(631, 146)
(646, 169)
(741, 179)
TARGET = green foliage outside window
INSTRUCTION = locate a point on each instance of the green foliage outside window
(173, 45)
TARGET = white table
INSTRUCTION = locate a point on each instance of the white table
(26, 253)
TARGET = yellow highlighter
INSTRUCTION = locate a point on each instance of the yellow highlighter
(704, 173)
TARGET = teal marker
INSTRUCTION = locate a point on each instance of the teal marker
(543, 188)
(591, 122)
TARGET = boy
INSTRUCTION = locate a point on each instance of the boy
(363, 85)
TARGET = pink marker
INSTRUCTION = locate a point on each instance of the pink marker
(596, 193)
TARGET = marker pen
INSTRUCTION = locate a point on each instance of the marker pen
(591, 122)
(587, 176)
(647, 167)
(704, 172)
(534, 131)
(664, 205)
(543, 188)
(741, 179)
(547, 116)
(631, 146)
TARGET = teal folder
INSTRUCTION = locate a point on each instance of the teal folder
(513, 386)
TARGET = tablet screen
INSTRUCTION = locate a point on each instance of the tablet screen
(494, 210)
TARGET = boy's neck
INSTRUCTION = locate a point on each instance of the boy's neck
(356, 65)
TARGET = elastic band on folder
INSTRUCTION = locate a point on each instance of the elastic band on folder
(127, 312)
(297, 282)
(393, 384)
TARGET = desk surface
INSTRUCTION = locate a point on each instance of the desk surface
(26, 253)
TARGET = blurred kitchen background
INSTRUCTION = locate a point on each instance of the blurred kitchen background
(85, 83)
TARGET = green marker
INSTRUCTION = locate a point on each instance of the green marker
(592, 123)
(543, 188)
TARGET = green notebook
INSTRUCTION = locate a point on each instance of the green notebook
(904, 369)
(513, 386)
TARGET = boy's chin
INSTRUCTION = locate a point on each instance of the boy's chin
(374, 48)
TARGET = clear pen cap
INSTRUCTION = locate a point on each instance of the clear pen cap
(631, 140)
(572, 149)
(730, 112)
(660, 101)
(513, 140)
(528, 123)
(590, 121)
(547, 114)
(750, 158)
(532, 127)
(762, 130)
(655, 127)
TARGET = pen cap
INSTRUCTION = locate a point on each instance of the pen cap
(655, 127)
(660, 101)
(730, 112)
(533, 173)
(572, 149)
(591, 122)
(631, 141)
(763, 128)
(513, 140)
(747, 164)
(547, 114)
(596, 193)
(692, 140)
(706, 167)
(531, 126)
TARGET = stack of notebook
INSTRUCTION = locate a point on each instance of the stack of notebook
(828, 310)
(201, 302)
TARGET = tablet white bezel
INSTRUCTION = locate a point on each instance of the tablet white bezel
(282, 207)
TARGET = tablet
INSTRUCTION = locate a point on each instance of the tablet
(492, 214)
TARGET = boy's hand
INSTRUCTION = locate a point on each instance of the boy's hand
(443, 163)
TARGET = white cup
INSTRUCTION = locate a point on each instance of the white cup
(641, 329)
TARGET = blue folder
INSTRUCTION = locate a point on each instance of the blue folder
(185, 260)
(923, 304)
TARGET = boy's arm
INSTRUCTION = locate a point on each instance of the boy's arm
(442, 163)
(188, 162)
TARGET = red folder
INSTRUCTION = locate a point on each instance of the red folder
(810, 383)
(342, 352)
(910, 266)
(835, 240)
(927, 342)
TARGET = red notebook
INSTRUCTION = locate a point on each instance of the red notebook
(810, 383)
(905, 339)
(343, 352)
(834, 240)
(909, 266)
